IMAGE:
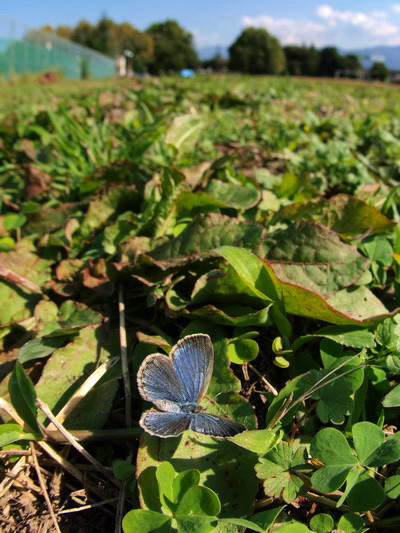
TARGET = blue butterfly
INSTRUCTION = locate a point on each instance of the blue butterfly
(175, 385)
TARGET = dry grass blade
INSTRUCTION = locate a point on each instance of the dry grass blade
(270, 387)
(8, 481)
(83, 390)
(124, 358)
(70, 468)
(7, 408)
(86, 507)
(17, 279)
(74, 442)
(44, 488)
(128, 399)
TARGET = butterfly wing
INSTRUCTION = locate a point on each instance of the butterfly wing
(165, 424)
(193, 360)
(217, 426)
(159, 384)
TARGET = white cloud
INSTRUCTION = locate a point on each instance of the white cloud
(206, 39)
(375, 23)
(342, 28)
(287, 30)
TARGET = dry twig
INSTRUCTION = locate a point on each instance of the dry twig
(74, 442)
(44, 488)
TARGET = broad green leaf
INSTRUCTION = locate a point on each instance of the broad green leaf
(242, 522)
(233, 195)
(315, 258)
(348, 306)
(70, 315)
(26, 269)
(367, 437)
(123, 470)
(298, 386)
(379, 249)
(295, 527)
(39, 348)
(334, 400)
(199, 501)
(23, 396)
(10, 433)
(357, 303)
(259, 441)
(392, 487)
(345, 335)
(189, 204)
(68, 368)
(165, 475)
(182, 482)
(232, 315)
(205, 233)
(330, 446)
(341, 213)
(387, 335)
(349, 523)
(223, 286)
(367, 494)
(13, 220)
(196, 524)
(334, 356)
(265, 519)
(242, 350)
(388, 452)
(322, 523)
(144, 521)
(184, 132)
(277, 470)
(351, 480)
(392, 399)
(107, 203)
(330, 478)
(6, 244)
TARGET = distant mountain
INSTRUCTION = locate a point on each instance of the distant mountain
(390, 55)
(209, 52)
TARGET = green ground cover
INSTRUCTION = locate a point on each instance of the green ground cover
(260, 211)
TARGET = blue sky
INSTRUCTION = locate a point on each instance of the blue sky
(350, 24)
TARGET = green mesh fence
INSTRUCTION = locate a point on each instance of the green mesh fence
(23, 50)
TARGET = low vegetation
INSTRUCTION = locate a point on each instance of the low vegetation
(264, 215)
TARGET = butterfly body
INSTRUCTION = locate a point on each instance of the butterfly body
(175, 385)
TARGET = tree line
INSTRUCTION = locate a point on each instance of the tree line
(167, 47)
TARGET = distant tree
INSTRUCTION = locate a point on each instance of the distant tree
(351, 62)
(256, 51)
(330, 61)
(379, 71)
(113, 39)
(125, 37)
(216, 63)
(64, 31)
(312, 62)
(83, 34)
(102, 36)
(61, 31)
(173, 48)
(301, 60)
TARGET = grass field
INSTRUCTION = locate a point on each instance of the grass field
(260, 211)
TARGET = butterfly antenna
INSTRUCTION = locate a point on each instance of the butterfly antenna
(211, 400)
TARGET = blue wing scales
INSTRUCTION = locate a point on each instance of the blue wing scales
(217, 426)
(165, 424)
(193, 360)
(159, 384)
